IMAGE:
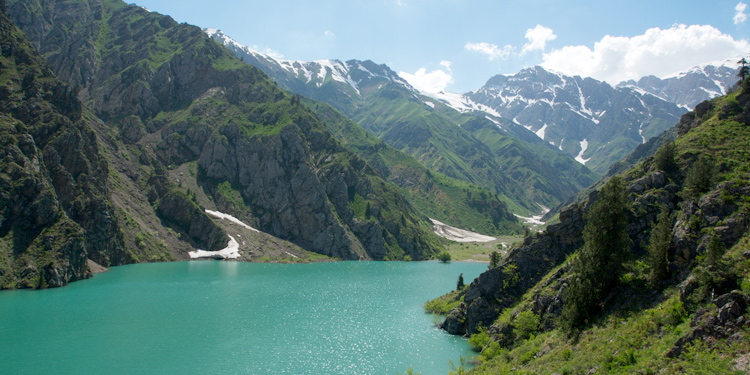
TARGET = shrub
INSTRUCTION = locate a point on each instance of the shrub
(444, 257)
(479, 340)
(526, 324)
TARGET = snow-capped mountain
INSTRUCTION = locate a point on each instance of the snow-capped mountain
(307, 77)
(514, 164)
(590, 120)
(692, 86)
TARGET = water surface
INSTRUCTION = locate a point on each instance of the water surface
(235, 318)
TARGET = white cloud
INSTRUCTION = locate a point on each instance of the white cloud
(538, 38)
(329, 34)
(431, 82)
(268, 51)
(491, 50)
(739, 15)
(657, 52)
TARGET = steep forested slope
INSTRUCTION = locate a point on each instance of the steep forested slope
(186, 126)
(675, 297)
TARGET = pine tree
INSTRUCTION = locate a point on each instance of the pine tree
(700, 178)
(664, 159)
(658, 248)
(460, 282)
(599, 264)
(744, 69)
(494, 259)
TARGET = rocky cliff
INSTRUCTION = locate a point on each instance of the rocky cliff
(171, 99)
(55, 210)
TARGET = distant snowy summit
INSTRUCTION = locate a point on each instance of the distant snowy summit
(310, 75)
(690, 87)
(590, 120)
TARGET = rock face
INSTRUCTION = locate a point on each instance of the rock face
(54, 206)
(522, 268)
(172, 97)
(727, 322)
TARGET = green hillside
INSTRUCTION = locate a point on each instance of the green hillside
(449, 200)
(676, 298)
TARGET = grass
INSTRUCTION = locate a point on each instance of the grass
(444, 304)
(480, 251)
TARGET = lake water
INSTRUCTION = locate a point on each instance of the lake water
(212, 317)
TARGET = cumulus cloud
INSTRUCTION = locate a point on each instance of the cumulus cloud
(538, 38)
(657, 52)
(739, 13)
(431, 82)
(491, 50)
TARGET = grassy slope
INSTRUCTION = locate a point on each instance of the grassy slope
(639, 324)
(449, 200)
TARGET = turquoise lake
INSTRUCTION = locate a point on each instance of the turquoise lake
(213, 317)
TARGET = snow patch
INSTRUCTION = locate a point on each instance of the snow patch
(232, 251)
(540, 133)
(584, 146)
(457, 234)
(461, 103)
(231, 218)
(494, 121)
(429, 104)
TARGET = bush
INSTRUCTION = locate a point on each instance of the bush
(479, 340)
(526, 324)
(444, 257)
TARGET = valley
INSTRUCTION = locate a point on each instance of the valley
(602, 225)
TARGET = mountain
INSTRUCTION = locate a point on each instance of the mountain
(677, 301)
(379, 100)
(588, 119)
(446, 198)
(169, 127)
(692, 86)
(55, 209)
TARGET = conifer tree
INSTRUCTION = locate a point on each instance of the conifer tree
(658, 248)
(744, 69)
(494, 259)
(599, 264)
(700, 177)
(664, 159)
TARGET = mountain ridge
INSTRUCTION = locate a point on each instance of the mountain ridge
(386, 105)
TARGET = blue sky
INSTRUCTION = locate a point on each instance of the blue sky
(457, 45)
